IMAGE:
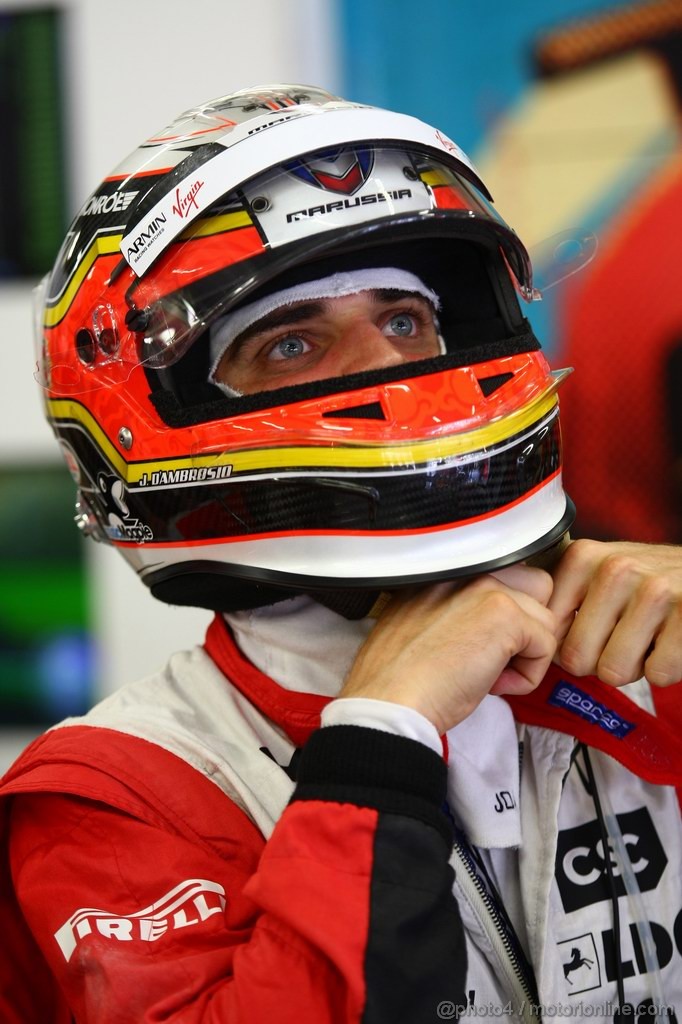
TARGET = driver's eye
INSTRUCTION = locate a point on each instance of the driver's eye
(288, 348)
(402, 325)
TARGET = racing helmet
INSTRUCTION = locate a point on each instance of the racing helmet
(434, 469)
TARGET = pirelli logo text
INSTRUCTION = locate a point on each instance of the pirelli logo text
(189, 903)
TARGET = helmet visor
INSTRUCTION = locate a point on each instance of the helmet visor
(325, 205)
(329, 203)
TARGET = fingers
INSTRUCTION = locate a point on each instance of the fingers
(535, 612)
(513, 682)
(528, 665)
(619, 612)
(663, 666)
(523, 673)
(442, 649)
(537, 583)
(615, 609)
(572, 576)
(599, 601)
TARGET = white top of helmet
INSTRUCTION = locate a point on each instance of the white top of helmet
(249, 147)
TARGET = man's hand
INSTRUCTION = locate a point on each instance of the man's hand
(619, 608)
(440, 650)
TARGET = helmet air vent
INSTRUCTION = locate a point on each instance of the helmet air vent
(370, 411)
(490, 384)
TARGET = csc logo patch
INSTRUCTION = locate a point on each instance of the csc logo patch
(581, 860)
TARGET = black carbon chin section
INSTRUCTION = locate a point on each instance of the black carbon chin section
(314, 500)
(225, 586)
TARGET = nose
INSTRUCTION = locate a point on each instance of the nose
(363, 346)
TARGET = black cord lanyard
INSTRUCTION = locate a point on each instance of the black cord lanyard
(478, 864)
(591, 787)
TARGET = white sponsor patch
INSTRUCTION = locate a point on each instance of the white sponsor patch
(189, 903)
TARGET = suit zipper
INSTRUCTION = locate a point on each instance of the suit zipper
(502, 937)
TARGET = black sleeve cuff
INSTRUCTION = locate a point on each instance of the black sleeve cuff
(370, 768)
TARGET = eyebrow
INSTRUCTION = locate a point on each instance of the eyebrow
(288, 315)
(282, 317)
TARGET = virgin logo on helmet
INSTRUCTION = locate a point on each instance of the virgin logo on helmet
(446, 143)
(184, 203)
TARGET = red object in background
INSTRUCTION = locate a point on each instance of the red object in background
(621, 322)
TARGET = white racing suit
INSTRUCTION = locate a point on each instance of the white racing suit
(196, 848)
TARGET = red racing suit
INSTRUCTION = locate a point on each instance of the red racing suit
(197, 849)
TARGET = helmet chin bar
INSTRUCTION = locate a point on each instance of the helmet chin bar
(227, 587)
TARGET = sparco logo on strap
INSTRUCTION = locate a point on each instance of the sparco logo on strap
(189, 903)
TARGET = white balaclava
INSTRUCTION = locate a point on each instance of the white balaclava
(226, 330)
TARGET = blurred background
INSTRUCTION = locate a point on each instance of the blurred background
(571, 111)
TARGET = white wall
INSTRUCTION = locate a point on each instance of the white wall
(135, 64)
(131, 67)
